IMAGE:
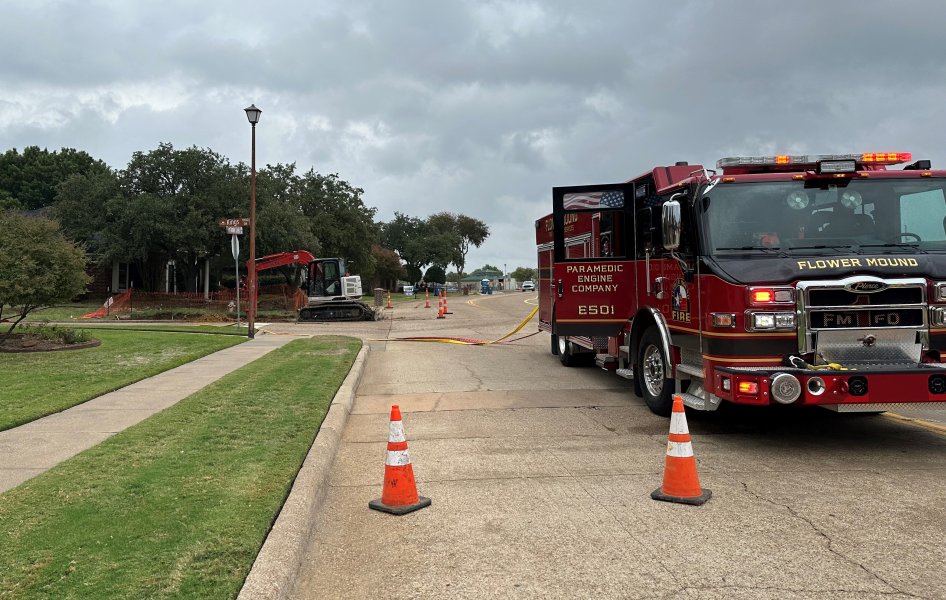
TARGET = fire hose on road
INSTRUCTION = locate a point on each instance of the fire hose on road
(468, 341)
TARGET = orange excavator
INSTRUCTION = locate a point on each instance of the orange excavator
(333, 294)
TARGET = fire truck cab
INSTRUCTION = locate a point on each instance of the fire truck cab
(807, 280)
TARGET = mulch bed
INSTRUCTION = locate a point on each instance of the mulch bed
(21, 342)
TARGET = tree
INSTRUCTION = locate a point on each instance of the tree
(38, 265)
(281, 225)
(172, 201)
(488, 268)
(459, 233)
(435, 274)
(408, 236)
(524, 274)
(389, 268)
(32, 179)
(342, 223)
(82, 208)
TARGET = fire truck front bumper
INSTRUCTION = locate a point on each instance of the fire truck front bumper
(860, 390)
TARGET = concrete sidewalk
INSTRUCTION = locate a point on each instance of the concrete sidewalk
(30, 449)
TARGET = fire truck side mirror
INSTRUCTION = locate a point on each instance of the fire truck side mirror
(671, 223)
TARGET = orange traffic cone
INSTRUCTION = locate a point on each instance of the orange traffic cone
(440, 312)
(681, 482)
(399, 495)
(426, 298)
(389, 300)
(445, 311)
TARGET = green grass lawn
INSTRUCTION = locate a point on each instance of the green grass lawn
(179, 505)
(36, 384)
(64, 312)
(221, 329)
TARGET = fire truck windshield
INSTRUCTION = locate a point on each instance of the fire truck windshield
(822, 216)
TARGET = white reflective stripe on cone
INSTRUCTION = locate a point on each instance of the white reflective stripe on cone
(678, 449)
(396, 432)
(400, 458)
(678, 423)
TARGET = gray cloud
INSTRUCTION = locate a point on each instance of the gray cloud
(481, 107)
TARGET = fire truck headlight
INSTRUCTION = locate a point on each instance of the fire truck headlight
(763, 321)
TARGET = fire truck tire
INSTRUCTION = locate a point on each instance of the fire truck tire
(566, 353)
(554, 344)
(656, 389)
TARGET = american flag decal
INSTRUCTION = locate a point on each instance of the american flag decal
(581, 200)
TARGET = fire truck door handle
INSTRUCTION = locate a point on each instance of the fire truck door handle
(561, 288)
(659, 291)
(647, 268)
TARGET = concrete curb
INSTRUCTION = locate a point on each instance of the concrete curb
(277, 564)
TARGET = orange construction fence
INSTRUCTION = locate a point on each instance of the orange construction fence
(223, 302)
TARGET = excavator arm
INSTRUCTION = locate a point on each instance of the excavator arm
(282, 259)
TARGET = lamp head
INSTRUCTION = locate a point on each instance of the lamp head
(252, 114)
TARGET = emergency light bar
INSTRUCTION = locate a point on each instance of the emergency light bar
(874, 158)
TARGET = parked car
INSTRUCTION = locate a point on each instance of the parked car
(528, 286)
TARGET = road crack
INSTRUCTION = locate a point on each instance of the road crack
(829, 544)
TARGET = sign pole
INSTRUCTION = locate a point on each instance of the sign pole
(235, 249)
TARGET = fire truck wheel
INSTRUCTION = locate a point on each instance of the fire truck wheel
(566, 353)
(554, 344)
(657, 389)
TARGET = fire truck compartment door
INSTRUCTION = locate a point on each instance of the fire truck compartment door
(592, 298)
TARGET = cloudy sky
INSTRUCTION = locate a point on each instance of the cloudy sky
(475, 107)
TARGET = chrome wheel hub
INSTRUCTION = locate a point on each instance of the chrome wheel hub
(653, 370)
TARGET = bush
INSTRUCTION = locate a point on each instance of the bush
(55, 334)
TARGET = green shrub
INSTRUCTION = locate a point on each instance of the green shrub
(59, 335)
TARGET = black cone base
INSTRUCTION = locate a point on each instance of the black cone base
(694, 500)
(399, 510)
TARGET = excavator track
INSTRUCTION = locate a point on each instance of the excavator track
(337, 311)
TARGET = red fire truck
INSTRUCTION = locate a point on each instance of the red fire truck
(807, 280)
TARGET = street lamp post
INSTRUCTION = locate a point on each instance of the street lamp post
(252, 115)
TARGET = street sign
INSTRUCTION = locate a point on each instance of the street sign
(235, 222)
(235, 230)
(235, 246)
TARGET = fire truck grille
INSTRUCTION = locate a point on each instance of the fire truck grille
(844, 325)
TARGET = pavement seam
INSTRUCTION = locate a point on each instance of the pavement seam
(276, 567)
(829, 543)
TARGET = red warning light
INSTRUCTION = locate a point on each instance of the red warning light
(748, 387)
(762, 296)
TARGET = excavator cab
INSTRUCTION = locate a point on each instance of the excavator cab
(325, 278)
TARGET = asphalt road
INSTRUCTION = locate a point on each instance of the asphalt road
(540, 477)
